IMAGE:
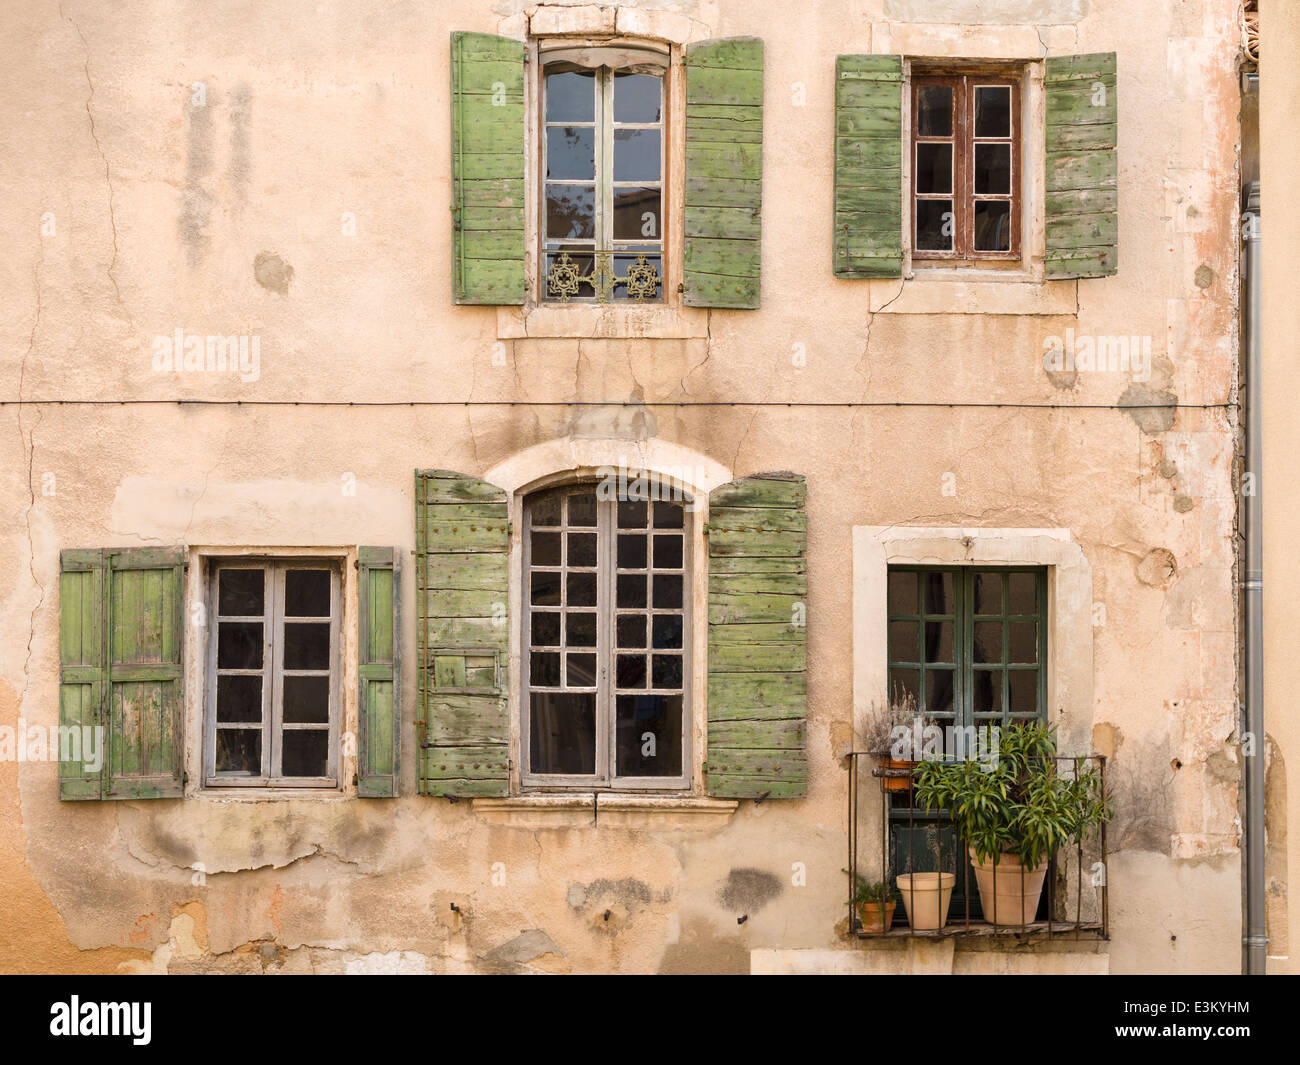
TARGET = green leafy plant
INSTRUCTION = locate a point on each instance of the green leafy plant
(875, 891)
(1018, 802)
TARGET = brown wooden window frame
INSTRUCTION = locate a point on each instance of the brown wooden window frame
(963, 140)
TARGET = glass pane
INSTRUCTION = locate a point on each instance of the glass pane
(306, 699)
(934, 168)
(546, 588)
(581, 672)
(667, 630)
(631, 671)
(904, 682)
(992, 225)
(631, 590)
(1023, 592)
(636, 155)
(582, 509)
(902, 593)
(545, 509)
(546, 629)
(570, 153)
(631, 551)
(582, 629)
(631, 630)
(562, 732)
(307, 593)
(636, 97)
(988, 691)
(1024, 690)
(939, 690)
(938, 641)
(935, 225)
(239, 645)
(239, 750)
(570, 212)
(239, 698)
(668, 552)
(582, 589)
(546, 549)
(240, 592)
(937, 593)
(571, 96)
(649, 735)
(992, 170)
(934, 111)
(582, 549)
(988, 593)
(988, 641)
(636, 214)
(624, 263)
(668, 591)
(306, 646)
(668, 515)
(902, 641)
(1022, 643)
(666, 671)
(544, 670)
(304, 752)
(993, 111)
(632, 514)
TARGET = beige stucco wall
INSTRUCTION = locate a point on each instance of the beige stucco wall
(313, 110)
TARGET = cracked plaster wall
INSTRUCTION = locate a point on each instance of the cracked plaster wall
(231, 218)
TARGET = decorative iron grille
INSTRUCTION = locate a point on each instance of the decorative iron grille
(567, 276)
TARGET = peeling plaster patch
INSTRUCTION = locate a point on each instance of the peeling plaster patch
(613, 423)
(523, 948)
(631, 893)
(1157, 568)
(1182, 504)
(239, 169)
(700, 950)
(196, 201)
(1063, 379)
(272, 272)
(1150, 419)
(1204, 277)
(749, 890)
(395, 962)
(1168, 469)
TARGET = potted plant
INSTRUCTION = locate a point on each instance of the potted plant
(926, 897)
(1014, 810)
(895, 733)
(876, 902)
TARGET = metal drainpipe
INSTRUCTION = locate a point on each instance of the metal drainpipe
(1256, 937)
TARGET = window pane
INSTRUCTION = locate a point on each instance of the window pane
(902, 593)
(304, 752)
(544, 670)
(649, 735)
(582, 629)
(937, 593)
(631, 590)
(240, 592)
(636, 155)
(902, 641)
(988, 593)
(546, 588)
(992, 225)
(1022, 646)
(582, 549)
(636, 214)
(934, 225)
(987, 691)
(631, 671)
(562, 732)
(582, 509)
(1024, 690)
(545, 509)
(306, 646)
(632, 514)
(668, 591)
(546, 629)
(581, 671)
(571, 96)
(582, 589)
(631, 630)
(631, 551)
(667, 630)
(938, 641)
(668, 551)
(636, 97)
(939, 690)
(307, 593)
(239, 645)
(669, 515)
(545, 549)
(992, 169)
(307, 700)
(239, 750)
(570, 153)
(904, 682)
(934, 168)
(988, 641)
(934, 111)
(666, 671)
(570, 212)
(1023, 592)
(239, 698)
(993, 111)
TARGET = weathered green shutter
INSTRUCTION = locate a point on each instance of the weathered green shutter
(758, 587)
(144, 620)
(1082, 166)
(868, 236)
(81, 671)
(487, 168)
(724, 172)
(380, 672)
(462, 537)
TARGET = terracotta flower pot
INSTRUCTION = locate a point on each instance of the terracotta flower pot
(898, 783)
(925, 898)
(1010, 898)
(876, 917)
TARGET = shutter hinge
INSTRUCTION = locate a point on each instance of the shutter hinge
(510, 528)
(185, 778)
(455, 218)
(355, 780)
(706, 528)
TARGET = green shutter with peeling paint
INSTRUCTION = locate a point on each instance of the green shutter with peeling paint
(462, 536)
(81, 672)
(758, 587)
(144, 592)
(487, 168)
(379, 672)
(724, 173)
(868, 233)
(1082, 181)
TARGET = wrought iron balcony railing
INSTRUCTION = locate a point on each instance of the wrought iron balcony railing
(571, 270)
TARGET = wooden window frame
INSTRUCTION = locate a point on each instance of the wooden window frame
(272, 672)
(963, 85)
(606, 528)
(604, 126)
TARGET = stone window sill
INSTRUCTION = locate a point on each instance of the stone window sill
(961, 292)
(594, 321)
(581, 809)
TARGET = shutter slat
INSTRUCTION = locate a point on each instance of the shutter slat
(379, 674)
(757, 640)
(487, 159)
(868, 227)
(724, 173)
(462, 539)
(1082, 161)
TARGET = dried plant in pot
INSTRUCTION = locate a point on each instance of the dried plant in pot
(1014, 809)
(895, 733)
